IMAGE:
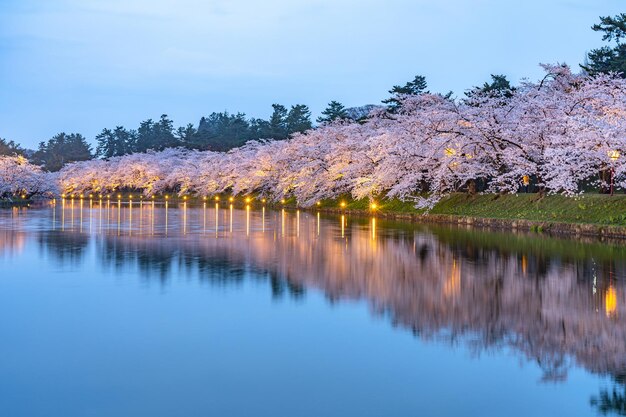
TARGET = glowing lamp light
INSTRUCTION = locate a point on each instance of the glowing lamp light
(282, 201)
(185, 198)
(614, 154)
(130, 197)
(217, 198)
(231, 199)
(319, 203)
(373, 206)
(526, 180)
(610, 301)
(263, 200)
(81, 196)
(343, 204)
(23, 196)
(248, 199)
(119, 196)
(167, 197)
(152, 197)
(62, 195)
(450, 151)
(204, 198)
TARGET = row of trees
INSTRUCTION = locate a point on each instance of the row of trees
(217, 132)
(560, 134)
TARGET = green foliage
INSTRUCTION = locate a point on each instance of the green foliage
(334, 111)
(156, 135)
(499, 87)
(415, 87)
(298, 119)
(62, 149)
(609, 59)
(599, 209)
(115, 142)
(220, 132)
(224, 131)
(277, 127)
(8, 147)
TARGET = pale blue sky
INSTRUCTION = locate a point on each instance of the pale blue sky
(81, 65)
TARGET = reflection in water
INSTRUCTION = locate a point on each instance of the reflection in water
(555, 302)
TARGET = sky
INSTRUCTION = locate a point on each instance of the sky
(83, 65)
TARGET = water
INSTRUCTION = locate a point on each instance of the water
(143, 310)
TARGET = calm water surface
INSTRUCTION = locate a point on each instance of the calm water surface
(142, 310)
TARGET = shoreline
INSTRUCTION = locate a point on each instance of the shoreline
(539, 227)
(598, 216)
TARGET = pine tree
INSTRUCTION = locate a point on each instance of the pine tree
(412, 88)
(609, 59)
(298, 119)
(115, 143)
(277, 126)
(8, 147)
(62, 149)
(334, 111)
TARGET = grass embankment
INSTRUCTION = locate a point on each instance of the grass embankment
(596, 209)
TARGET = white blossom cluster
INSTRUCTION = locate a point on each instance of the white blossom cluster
(20, 178)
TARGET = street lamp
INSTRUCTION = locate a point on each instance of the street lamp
(614, 155)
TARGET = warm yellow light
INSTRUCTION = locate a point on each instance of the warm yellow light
(373, 206)
(526, 180)
(89, 196)
(204, 198)
(217, 198)
(81, 196)
(263, 200)
(23, 196)
(231, 199)
(343, 204)
(62, 195)
(614, 154)
(610, 301)
(185, 197)
(152, 197)
(130, 197)
(119, 196)
(319, 203)
(282, 201)
(167, 197)
(248, 199)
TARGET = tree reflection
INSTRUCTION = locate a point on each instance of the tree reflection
(612, 401)
(555, 302)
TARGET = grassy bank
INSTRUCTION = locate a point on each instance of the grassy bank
(596, 209)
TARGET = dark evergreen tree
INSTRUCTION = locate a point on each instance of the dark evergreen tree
(8, 147)
(186, 134)
(115, 142)
(277, 124)
(259, 129)
(412, 88)
(334, 111)
(221, 132)
(499, 86)
(609, 58)
(298, 119)
(62, 149)
(156, 135)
